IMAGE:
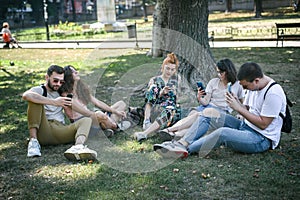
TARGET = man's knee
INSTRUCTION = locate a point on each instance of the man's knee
(85, 121)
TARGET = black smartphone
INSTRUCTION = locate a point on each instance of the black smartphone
(200, 85)
(170, 85)
(70, 95)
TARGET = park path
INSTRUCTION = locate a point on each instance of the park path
(145, 44)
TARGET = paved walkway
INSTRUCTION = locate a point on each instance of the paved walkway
(145, 44)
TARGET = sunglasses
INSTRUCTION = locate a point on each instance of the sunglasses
(57, 80)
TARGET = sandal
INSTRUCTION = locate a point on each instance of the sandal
(166, 135)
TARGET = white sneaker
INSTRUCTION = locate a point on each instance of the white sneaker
(140, 136)
(171, 149)
(124, 125)
(80, 152)
(146, 124)
(34, 148)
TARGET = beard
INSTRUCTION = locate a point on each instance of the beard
(53, 88)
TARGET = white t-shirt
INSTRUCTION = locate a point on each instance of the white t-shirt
(218, 94)
(271, 106)
(52, 112)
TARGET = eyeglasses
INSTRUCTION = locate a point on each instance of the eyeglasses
(55, 80)
(220, 72)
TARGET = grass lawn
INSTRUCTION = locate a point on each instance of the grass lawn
(127, 169)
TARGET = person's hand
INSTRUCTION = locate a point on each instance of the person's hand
(121, 114)
(63, 101)
(101, 116)
(201, 93)
(233, 101)
(166, 90)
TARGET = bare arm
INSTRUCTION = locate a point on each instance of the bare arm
(259, 121)
(104, 106)
(76, 106)
(202, 98)
(40, 99)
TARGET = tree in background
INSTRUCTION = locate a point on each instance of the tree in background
(258, 8)
(182, 27)
(228, 6)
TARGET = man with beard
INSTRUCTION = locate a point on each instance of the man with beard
(46, 120)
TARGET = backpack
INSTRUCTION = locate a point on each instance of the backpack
(287, 119)
(44, 90)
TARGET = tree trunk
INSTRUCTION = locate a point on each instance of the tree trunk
(228, 6)
(188, 38)
(160, 22)
(258, 8)
(73, 10)
(186, 34)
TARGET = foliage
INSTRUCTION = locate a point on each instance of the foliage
(223, 174)
(224, 25)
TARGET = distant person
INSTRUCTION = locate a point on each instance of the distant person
(259, 131)
(46, 120)
(161, 97)
(7, 37)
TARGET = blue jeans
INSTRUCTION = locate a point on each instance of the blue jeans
(202, 125)
(234, 134)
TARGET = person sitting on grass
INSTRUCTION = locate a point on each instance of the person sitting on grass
(109, 122)
(161, 96)
(8, 38)
(212, 97)
(259, 131)
(46, 120)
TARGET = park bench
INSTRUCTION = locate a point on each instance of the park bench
(282, 33)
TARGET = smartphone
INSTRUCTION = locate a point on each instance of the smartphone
(200, 85)
(229, 87)
(170, 85)
(70, 95)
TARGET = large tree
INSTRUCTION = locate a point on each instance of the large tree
(258, 8)
(182, 27)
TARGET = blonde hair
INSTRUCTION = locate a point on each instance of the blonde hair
(5, 25)
(170, 59)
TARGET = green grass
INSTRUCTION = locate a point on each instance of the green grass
(127, 169)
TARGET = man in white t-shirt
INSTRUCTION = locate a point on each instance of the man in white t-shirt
(46, 120)
(261, 129)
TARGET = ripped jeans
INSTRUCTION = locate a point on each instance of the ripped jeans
(234, 134)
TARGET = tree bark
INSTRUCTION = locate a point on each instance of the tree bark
(228, 6)
(73, 10)
(185, 34)
(258, 8)
(160, 22)
(187, 37)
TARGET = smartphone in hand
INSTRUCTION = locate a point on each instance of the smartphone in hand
(200, 86)
(229, 87)
(70, 95)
